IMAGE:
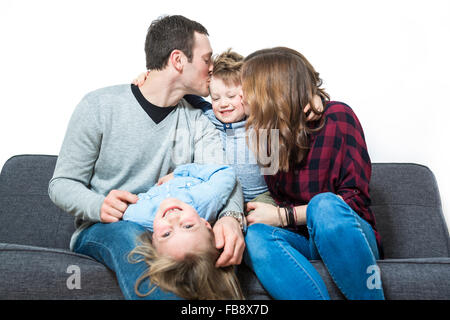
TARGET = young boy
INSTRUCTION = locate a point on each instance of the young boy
(228, 116)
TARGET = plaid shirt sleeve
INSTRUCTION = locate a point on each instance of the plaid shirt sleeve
(352, 163)
(355, 165)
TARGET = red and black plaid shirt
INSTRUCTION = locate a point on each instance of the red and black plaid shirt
(337, 162)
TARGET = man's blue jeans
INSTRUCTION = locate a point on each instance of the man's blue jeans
(338, 236)
(110, 244)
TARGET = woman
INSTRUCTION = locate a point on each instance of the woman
(319, 200)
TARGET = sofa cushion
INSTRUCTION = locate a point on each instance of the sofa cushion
(427, 278)
(416, 279)
(28, 272)
(402, 279)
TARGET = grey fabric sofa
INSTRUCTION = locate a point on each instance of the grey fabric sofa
(35, 262)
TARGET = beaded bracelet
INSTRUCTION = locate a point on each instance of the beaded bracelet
(291, 216)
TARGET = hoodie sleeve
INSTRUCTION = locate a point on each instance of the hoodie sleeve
(213, 193)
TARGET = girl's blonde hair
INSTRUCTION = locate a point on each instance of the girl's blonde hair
(278, 83)
(227, 67)
(193, 278)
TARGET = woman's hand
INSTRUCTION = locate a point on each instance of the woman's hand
(139, 81)
(260, 212)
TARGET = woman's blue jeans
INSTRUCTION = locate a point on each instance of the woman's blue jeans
(110, 244)
(337, 235)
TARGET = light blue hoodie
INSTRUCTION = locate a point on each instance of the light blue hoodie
(205, 187)
(237, 152)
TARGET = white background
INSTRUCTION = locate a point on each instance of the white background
(389, 60)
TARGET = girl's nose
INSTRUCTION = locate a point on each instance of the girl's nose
(173, 216)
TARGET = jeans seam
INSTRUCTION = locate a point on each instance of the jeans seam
(315, 285)
(329, 271)
(99, 244)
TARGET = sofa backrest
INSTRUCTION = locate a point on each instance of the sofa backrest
(405, 201)
(408, 211)
(27, 215)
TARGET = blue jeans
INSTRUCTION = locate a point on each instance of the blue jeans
(344, 242)
(110, 244)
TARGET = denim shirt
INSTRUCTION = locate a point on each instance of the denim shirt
(237, 152)
(205, 187)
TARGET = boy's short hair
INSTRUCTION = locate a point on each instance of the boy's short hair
(168, 33)
(227, 67)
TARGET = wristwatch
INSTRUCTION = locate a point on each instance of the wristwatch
(239, 216)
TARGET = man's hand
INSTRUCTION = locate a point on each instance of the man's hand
(228, 234)
(260, 212)
(115, 204)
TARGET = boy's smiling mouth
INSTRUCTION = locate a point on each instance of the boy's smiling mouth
(226, 112)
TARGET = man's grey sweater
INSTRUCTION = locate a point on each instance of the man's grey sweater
(112, 144)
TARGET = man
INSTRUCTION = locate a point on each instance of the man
(123, 139)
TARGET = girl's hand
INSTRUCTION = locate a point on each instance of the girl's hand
(260, 212)
(139, 81)
(165, 179)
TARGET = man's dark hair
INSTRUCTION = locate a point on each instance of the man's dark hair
(169, 33)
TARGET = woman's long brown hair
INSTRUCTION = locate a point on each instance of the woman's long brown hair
(278, 83)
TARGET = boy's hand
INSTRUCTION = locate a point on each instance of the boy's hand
(228, 235)
(115, 204)
(165, 179)
(319, 106)
(139, 81)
